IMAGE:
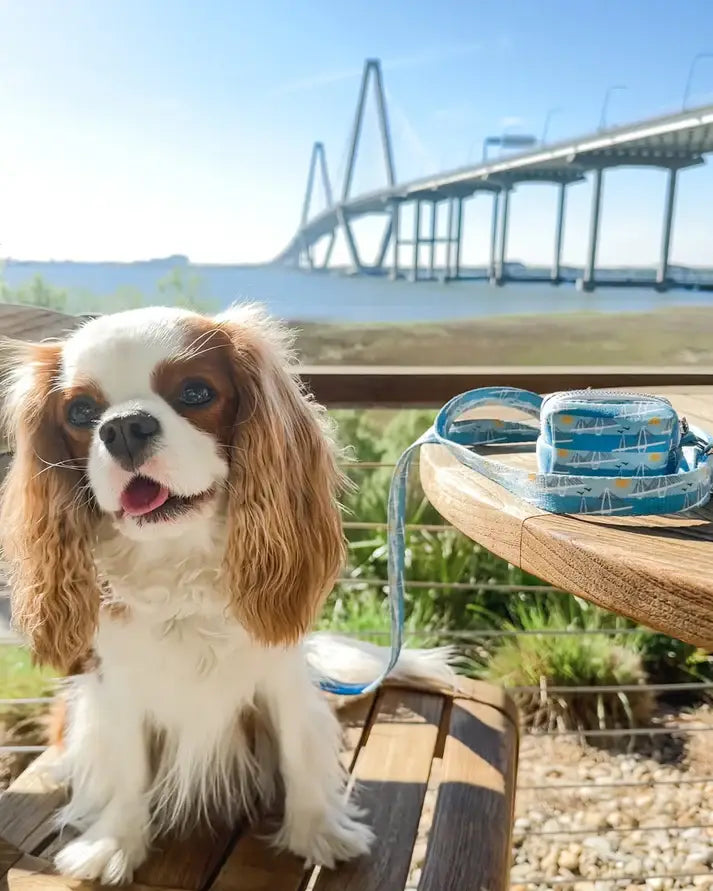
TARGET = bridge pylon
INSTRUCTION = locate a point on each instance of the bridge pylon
(318, 159)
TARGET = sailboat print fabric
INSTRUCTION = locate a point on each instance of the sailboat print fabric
(602, 453)
(608, 434)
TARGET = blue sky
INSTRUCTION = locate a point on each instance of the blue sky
(142, 128)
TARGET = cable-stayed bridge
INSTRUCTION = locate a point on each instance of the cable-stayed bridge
(671, 142)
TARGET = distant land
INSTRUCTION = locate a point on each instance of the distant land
(337, 296)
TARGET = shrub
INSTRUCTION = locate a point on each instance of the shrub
(561, 659)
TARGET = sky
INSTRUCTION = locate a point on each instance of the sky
(133, 129)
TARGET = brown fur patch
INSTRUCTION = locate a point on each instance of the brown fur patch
(285, 544)
(78, 439)
(207, 358)
(47, 522)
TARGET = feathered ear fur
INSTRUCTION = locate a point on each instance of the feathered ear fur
(285, 541)
(46, 521)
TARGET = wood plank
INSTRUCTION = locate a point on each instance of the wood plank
(355, 720)
(9, 856)
(188, 862)
(488, 694)
(696, 407)
(35, 874)
(481, 509)
(392, 772)
(469, 846)
(253, 865)
(387, 386)
(28, 805)
(185, 863)
(659, 575)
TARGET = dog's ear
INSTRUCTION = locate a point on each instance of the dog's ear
(285, 540)
(46, 520)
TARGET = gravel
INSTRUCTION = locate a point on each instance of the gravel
(655, 834)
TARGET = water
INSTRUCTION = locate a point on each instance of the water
(297, 295)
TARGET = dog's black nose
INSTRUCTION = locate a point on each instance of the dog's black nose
(130, 438)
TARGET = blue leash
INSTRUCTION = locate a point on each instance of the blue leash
(685, 485)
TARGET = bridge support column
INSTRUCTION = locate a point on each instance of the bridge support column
(432, 255)
(458, 238)
(351, 244)
(556, 276)
(662, 274)
(328, 252)
(588, 283)
(385, 242)
(396, 238)
(416, 239)
(493, 235)
(500, 275)
(447, 267)
(307, 254)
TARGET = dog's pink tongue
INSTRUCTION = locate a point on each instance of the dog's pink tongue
(143, 495)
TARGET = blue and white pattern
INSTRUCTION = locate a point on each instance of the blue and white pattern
(598, 453)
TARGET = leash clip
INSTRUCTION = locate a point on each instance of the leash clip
(704, 446)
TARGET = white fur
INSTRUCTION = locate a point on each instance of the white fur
(174, 664)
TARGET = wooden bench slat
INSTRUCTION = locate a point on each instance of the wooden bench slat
(35, 874)
(355, 720)
(9, 856)
(187, 862)
(392, 772)
(469, 845)
(27, 808)
(253, 865)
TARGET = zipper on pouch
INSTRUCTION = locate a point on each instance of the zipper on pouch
(608, 396)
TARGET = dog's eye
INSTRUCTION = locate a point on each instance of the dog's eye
(196, 393)
(83, 412)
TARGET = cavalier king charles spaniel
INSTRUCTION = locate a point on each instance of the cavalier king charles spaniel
(171, 524)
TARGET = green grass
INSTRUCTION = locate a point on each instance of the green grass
(19, 679)
(673, 336)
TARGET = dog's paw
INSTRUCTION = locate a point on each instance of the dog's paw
(326, 838)
(107, 860)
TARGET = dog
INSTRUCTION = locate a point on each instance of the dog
(172, 527)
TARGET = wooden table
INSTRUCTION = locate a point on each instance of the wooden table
(656, 570)
(394, 741)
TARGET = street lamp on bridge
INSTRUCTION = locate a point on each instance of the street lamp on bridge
(548, 117)
(605, 104)
(691, 71)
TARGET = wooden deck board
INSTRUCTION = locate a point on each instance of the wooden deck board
(655, 570)
(27, 808)
(392, 772)
(470, 840)
(189, 862)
